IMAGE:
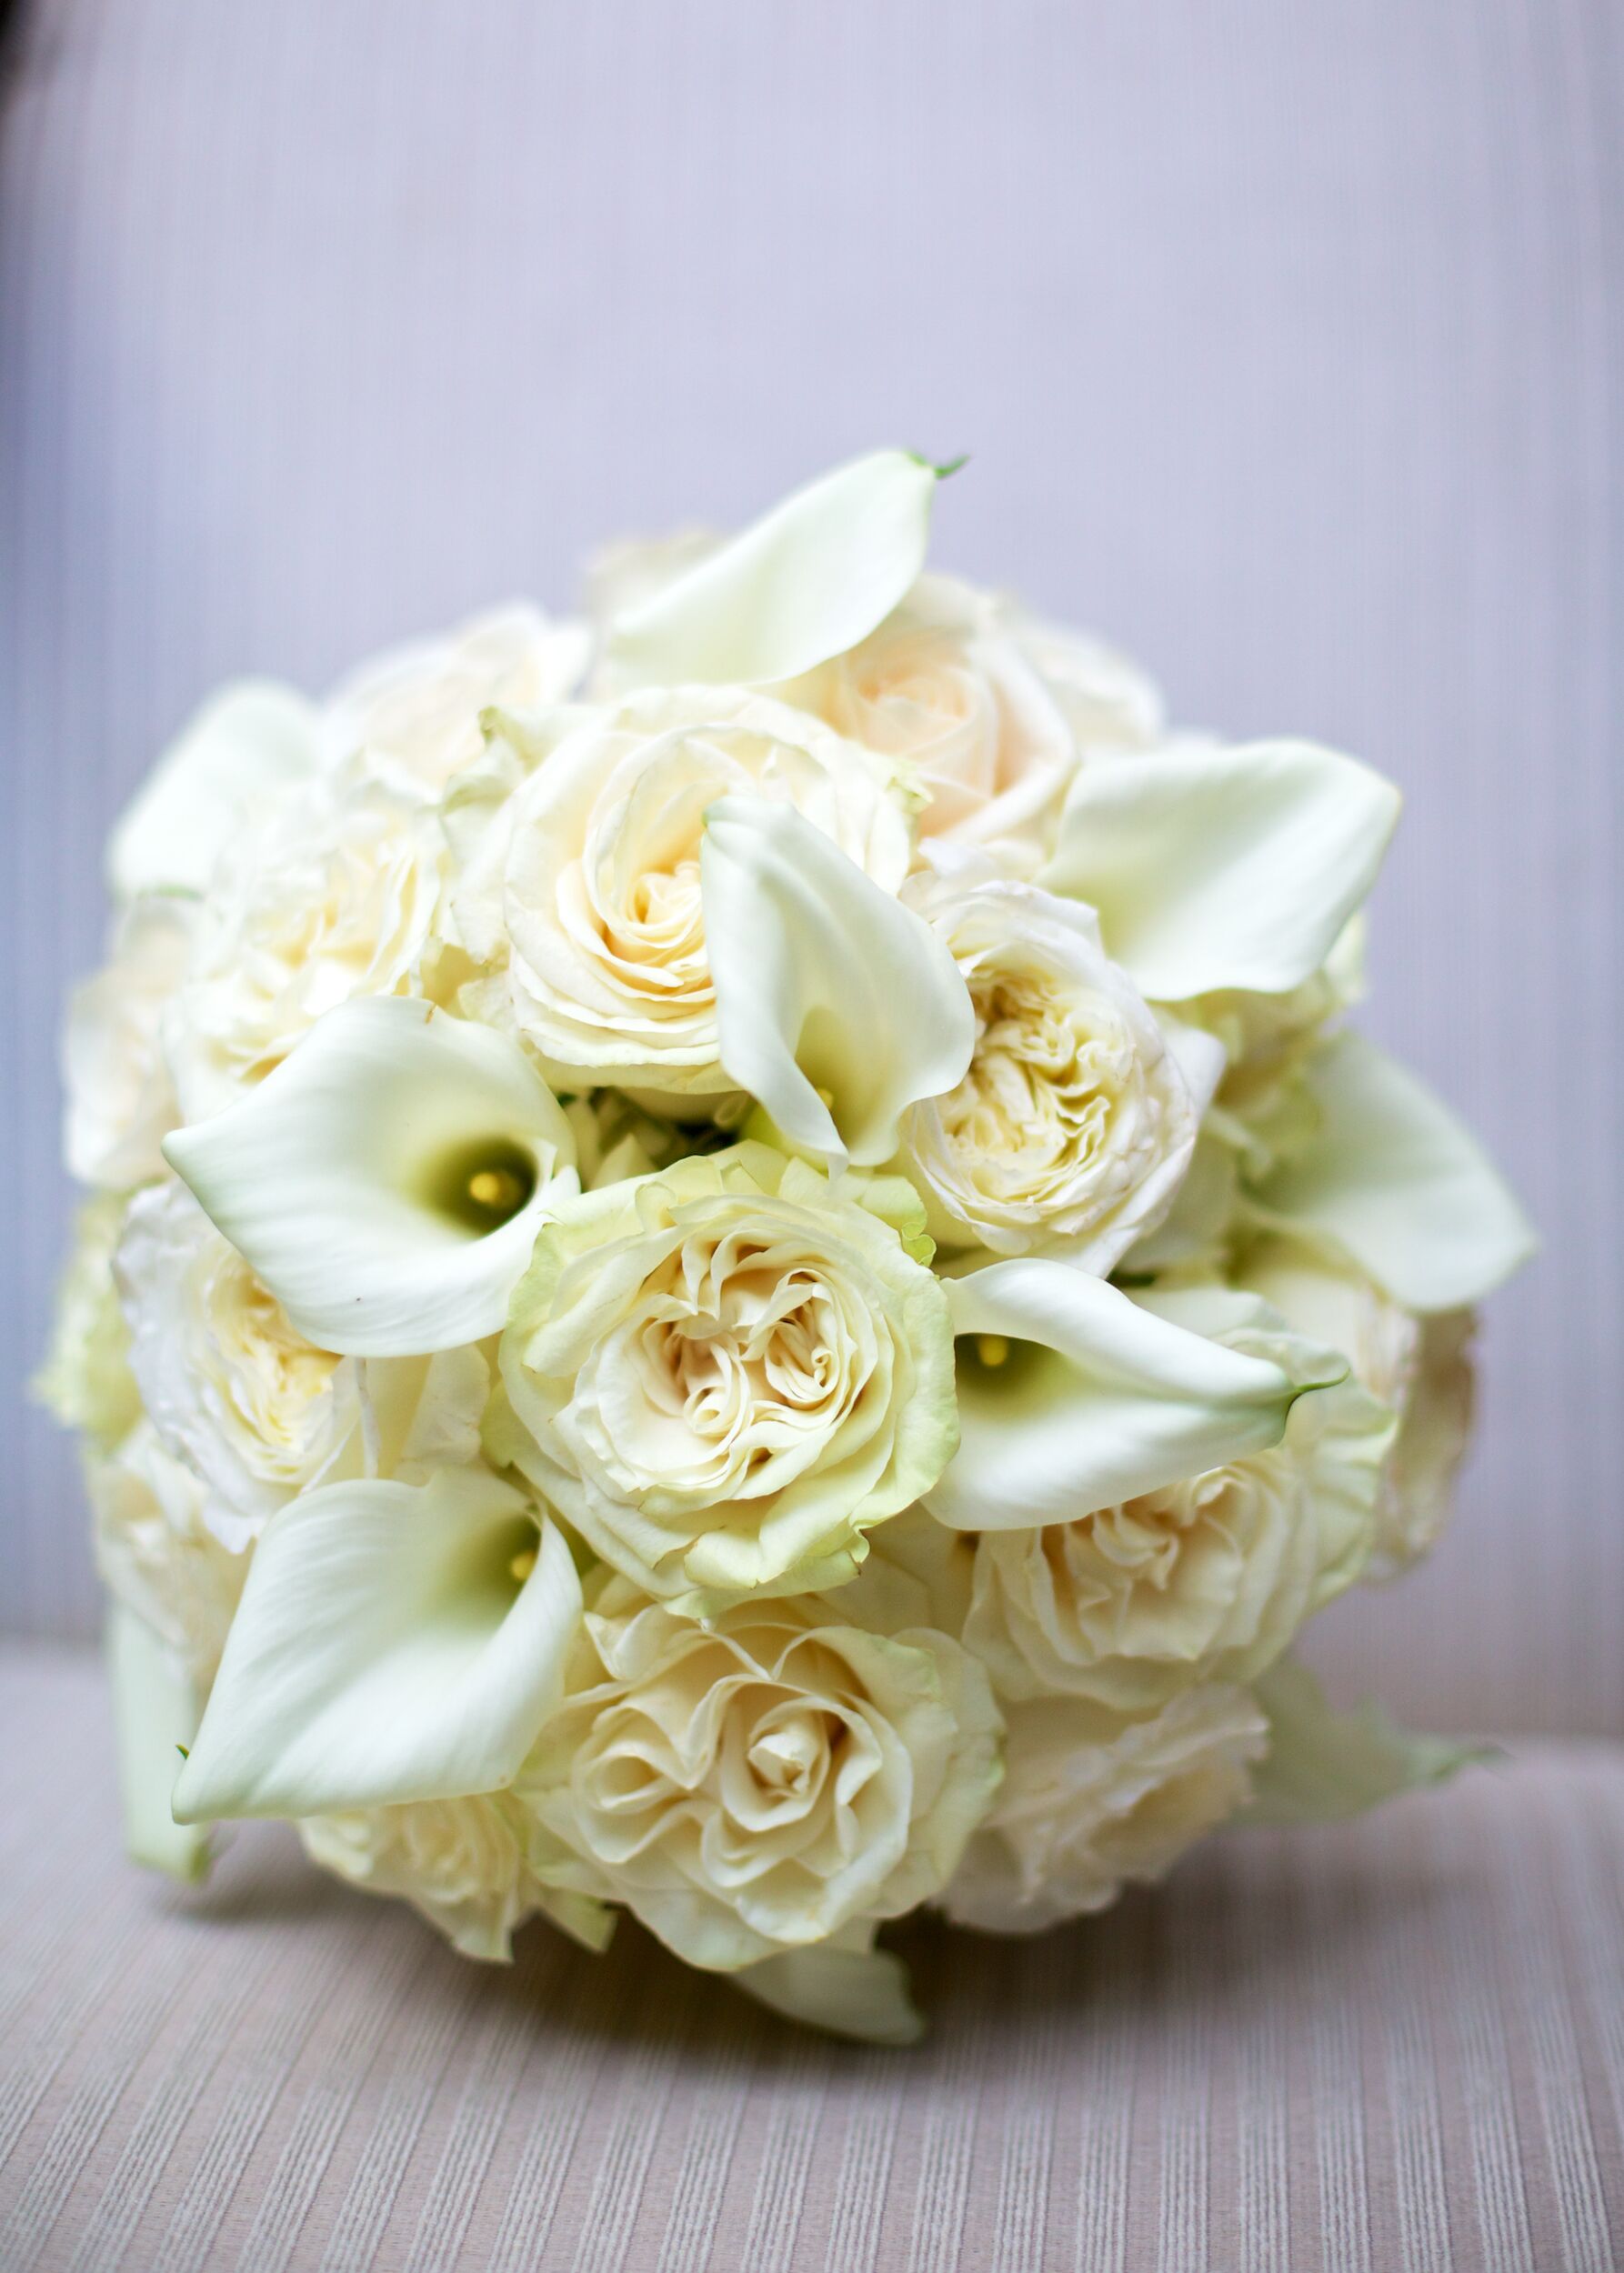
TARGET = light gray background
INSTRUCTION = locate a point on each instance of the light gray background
(1287, 341)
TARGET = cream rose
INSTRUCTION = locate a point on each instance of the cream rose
(760, 1783)
(120, 1099)
(724, 1373)
(85, 1380)
(1420, 1367)
(158, 1553)
(233, 1389)
(578, 842)
(417, 709)
(1073, 1128)
(461, 1863)
(257, 1411)
(1091, 1801)
(950, 686)
(337, 900)
(1208, 1579)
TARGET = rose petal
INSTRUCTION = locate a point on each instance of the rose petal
(245, 748)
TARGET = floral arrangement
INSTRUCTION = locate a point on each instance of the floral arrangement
(740, 1268)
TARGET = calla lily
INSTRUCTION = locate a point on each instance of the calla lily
(843, 1985)
(1071, 1397)
(1214, 868)
(387, 1182)
(238, 758)
(805, 582)
(393, 1642)
(1395, 1182)
(836, 1006)
(1323, 1765)
(154, 1709)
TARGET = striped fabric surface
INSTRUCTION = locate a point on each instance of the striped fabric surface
(1396, 2045)
(1288, 341)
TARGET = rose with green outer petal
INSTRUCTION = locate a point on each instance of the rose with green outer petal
(761, 1784)
(724, 1373)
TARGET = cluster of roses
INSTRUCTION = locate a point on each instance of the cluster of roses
(740, 1270)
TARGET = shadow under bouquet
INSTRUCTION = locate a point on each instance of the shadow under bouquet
(741, 1268)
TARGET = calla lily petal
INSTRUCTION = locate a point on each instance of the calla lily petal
(805, 582)
(385, 1649)
(1214, 867)
(1071, 1397)
(860, 1993)
(352, 1177)
(1323, 1765)
(1395, 1181)
(154, 1708)
(240, 754)
(836, 1006)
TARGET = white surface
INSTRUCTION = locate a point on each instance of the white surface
(1287, 341)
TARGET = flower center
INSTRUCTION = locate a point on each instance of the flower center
(483, 1184)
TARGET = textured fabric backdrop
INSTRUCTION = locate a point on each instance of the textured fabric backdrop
(1287, 342)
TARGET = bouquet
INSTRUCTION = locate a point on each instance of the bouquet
(740, 1267)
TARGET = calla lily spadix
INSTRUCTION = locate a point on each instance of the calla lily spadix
(1072, 1396)
(805, 582)
(1393, 1179)
(395, 1642)
(836, 1006)
(1222, 867)
(387, 1182)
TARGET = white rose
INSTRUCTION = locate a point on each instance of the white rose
(259, 1413)
(1422, 1367)
(952, 685)
(158, 1555)
(1091, 1801)
(417, 707)
(583, 872)
(724, 1373)
(1205, 1580)
(120, 1099)
(1073, 1128)
(460, 1862)
(337, 900)
(761, 1783)
(85, 1380)
(254, 1408)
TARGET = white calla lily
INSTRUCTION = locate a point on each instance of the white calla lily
(1223, 867)
(154, 1710)
(239, 757)
(805, 582)
(387, 1182)
(1323, 1765)
(836, 1006)
(395, 1642)
(843, 1985)
(1395, 1181)
(1072, 1398)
